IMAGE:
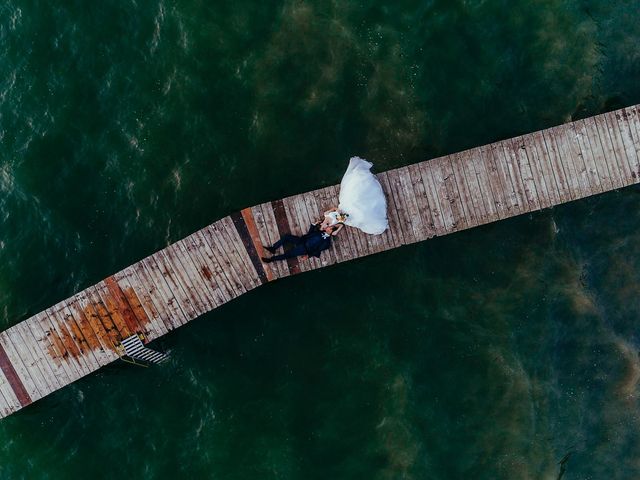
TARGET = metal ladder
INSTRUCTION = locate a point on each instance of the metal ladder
(133, 348)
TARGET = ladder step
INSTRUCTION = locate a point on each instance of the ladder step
(135, 349)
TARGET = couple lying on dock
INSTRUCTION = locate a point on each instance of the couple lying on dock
(362, 205)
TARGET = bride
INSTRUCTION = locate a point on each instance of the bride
(362, 201)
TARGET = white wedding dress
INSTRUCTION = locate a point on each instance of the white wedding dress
(362, 198)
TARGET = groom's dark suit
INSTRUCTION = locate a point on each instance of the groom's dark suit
(312, 243)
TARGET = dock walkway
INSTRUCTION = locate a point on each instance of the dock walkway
(222, 261)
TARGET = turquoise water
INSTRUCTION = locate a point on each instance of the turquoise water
(488, 354)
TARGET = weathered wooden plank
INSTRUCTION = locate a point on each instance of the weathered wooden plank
(57, 362)
(432, 197)
(515, 149)
(152, 326)
(399, 206)
(153, 298)
(106, 331)
(64, 344)
(93, 303)
(266, 226)
(235, 244)
(246, 245)
(15, 396)
(619, 148)
(207, 284)
(207, 272)
(228, 234)
(214, 237)
(5, 408)
(520, 162)
(30, 363)
(627, 133)
(500, 184)
(453, 195)
(607, 168)
(632, 114)
(40, 355)
(199, 288)
(478, 167)
(442, 195)
(573, 151)
(180, 271)
(21, 381)
(100, 354)
(360, 241)
(11, 402)
(579, 135)
(258, 251)
(84, 344)
(282, 222)
(173, 312)
(541, 172)
(222, 265)
(108, 302)
(473, 206)
(162, 267)
(134, 323)
(406, 188)
(571, 162)
(614, 158)
(547, 146)
(210, 268)
(422, 202)
(394, 221)
(512, 202)
(405, 200)
(512, 172)
(71, 336)
(91, 341)
(141, 302)
(270, 227)
(599, 126)
(499, 192)
(481, 195)
(227, 258)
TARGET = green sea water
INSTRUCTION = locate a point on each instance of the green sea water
(489, 354)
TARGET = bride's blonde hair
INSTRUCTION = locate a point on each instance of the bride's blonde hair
(341, 217)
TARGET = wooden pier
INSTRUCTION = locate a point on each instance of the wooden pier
(222, 261)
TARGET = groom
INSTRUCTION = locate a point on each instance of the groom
(311, 244)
